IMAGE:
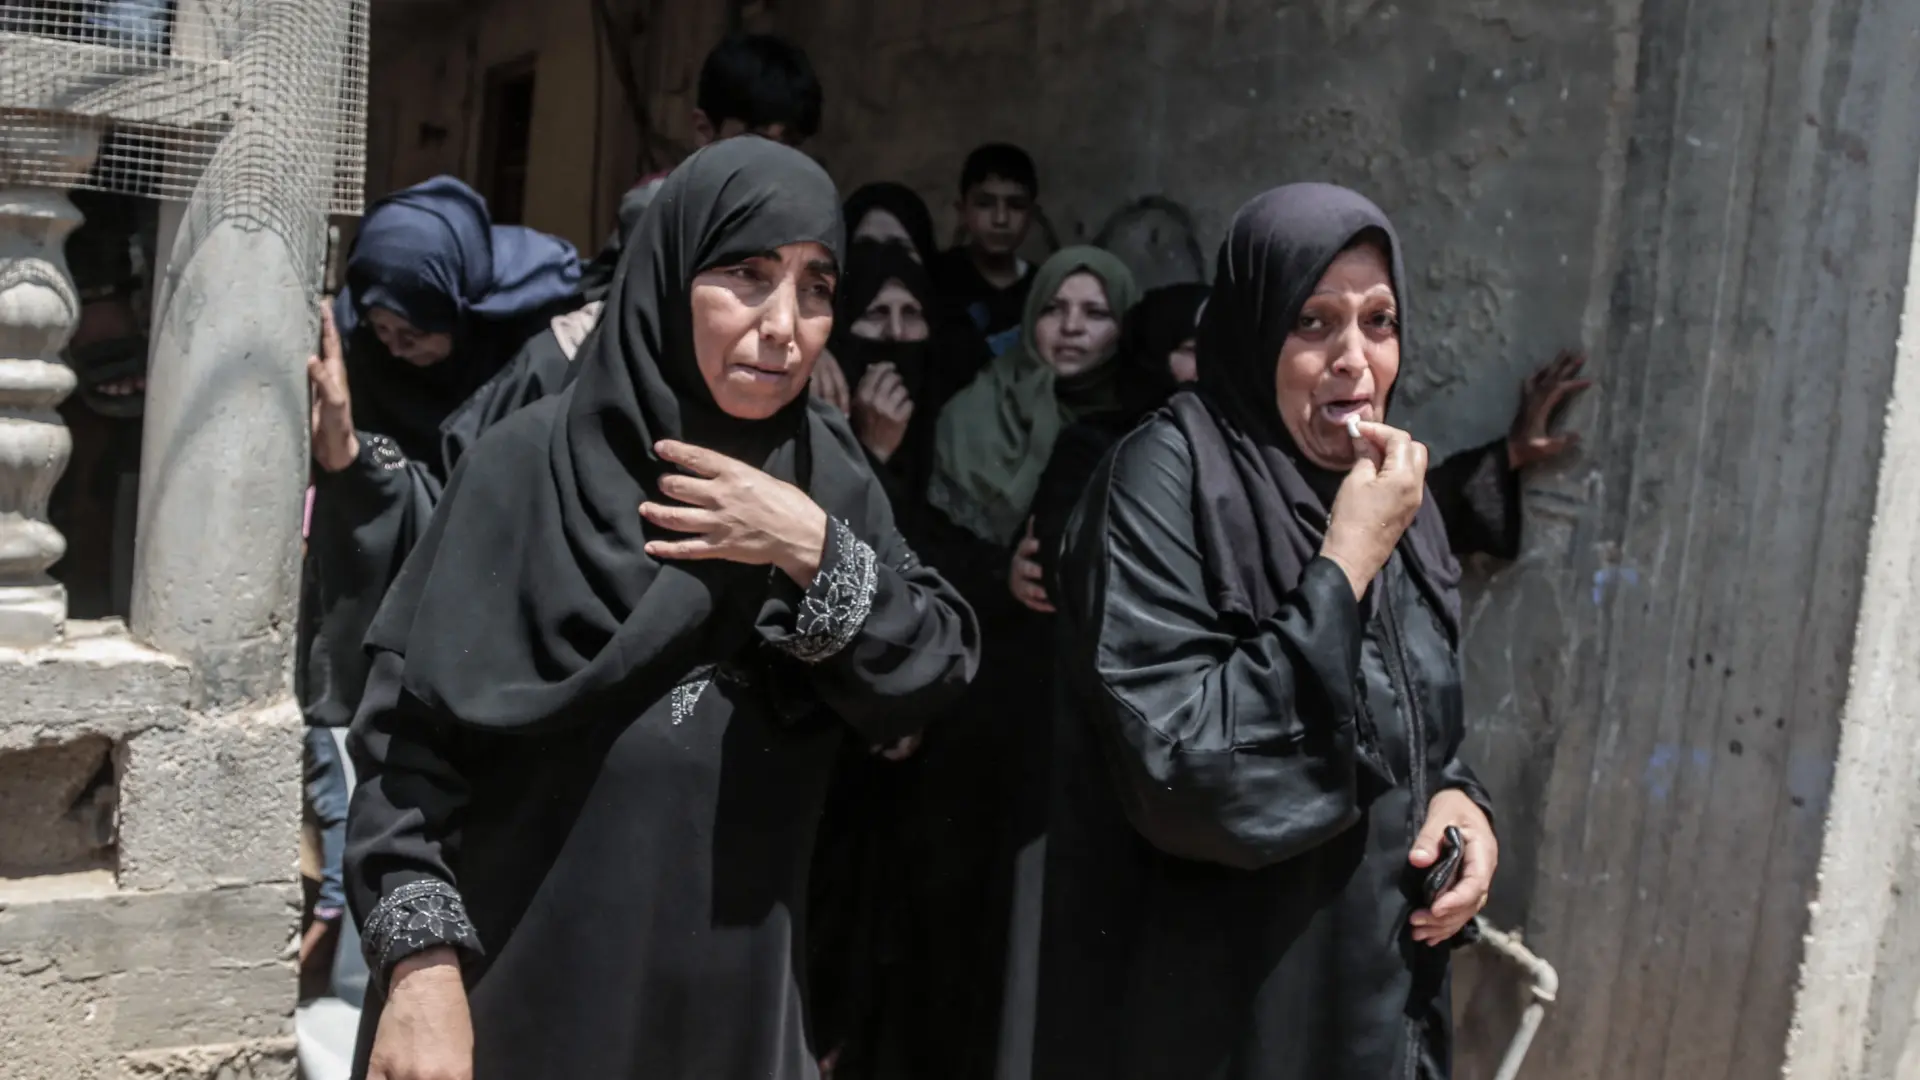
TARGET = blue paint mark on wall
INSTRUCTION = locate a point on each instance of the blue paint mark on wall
(1659, 774)
(1617, 576)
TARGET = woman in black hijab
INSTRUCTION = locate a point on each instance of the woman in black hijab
(1257, 757)
(888, 216)
(609, 685)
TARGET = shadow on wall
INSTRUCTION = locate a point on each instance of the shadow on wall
(1155, 237)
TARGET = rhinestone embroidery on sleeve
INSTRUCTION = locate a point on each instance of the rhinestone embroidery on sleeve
(838, 603)
(687, 694)
(384, 452)
(416, 916)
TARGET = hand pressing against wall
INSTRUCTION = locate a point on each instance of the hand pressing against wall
(335, 445)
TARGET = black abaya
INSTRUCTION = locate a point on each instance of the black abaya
(596, 774)
(1227, 887)
(1244, 752)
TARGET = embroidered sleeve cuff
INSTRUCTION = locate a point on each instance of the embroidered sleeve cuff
(837, 604)
(412, 918)
(380, 452)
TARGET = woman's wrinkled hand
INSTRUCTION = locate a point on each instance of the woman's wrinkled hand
(829, 383)
(1542, 398)
(334, 443)
(1026, 579)
(735, 512)
(1376, 503)
(1453, 909)
(426, 1029)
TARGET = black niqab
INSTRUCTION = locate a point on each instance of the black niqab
(530, 603)
(869, 267)
(1256, 491)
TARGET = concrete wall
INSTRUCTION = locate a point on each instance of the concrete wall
(1858, 1014)
(145, 914)
(1716, 199)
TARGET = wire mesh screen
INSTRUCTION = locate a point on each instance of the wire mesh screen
(138, 96)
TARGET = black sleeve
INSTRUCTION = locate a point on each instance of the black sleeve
(366, 518)
(1228, 748)
(1076, 458)
(889, 642)
(1478, 494)
(541, 368)
(975, 567)
(403, 829)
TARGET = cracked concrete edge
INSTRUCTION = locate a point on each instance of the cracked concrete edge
(163, 980)
(254, 1059)
(99, 681)
(1874, 811)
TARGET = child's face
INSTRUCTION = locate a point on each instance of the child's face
(996, 214)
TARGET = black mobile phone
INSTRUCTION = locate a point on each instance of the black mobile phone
(1445, 871)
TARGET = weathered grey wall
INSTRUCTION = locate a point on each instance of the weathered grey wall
(150, 939)
(1858, 1013)
(1479, 127)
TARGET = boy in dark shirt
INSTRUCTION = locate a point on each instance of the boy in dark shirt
(984, 274)
(751, 84)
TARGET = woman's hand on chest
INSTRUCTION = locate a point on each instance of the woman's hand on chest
(735, 512)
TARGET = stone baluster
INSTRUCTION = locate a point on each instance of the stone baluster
(39, 310)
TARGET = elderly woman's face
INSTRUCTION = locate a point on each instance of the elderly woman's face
(894, 315)
(759, 324)
(1341, 358)
(407, 341)
(1077, 330)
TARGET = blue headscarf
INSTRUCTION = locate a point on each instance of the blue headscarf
(431, 255)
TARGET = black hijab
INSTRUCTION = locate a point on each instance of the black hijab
(900, 201)
(1255, 491)
(869, 267)
(1157, 324)
(530, 603)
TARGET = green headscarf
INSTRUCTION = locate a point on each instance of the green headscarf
(994, 437)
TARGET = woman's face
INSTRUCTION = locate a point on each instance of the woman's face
(894, 315)
(1341, 358)
(1076, 331)
(882, 227)
(407, 341)
(759, 324)
(1184, 362)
